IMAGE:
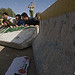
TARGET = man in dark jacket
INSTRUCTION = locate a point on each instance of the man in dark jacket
(28, 20)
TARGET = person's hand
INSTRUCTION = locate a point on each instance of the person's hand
(31, 25)
(28, 5)
(16, 25)
(0, 26)
(22, 25)
(11, 26)
(36, 25)
(26, 25)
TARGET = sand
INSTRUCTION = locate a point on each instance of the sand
(8, 54)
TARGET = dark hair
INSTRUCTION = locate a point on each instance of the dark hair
(37, 14)
(5, 13)
(19, 16)
(24, 14)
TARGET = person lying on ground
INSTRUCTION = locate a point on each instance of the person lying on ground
(37, 17)
(20, 22)
(28, 20)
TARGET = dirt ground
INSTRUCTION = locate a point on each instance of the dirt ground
(8, 54)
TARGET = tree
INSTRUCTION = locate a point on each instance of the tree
(9, 11)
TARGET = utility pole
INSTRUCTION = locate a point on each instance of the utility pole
(13, 11)
(34, 8)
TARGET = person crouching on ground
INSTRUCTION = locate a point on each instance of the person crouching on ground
(37, 17)
(6, 23)
(8, 19)
(28, 20)
(20, 22)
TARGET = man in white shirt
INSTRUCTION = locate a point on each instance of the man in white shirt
(7, 17)
(31, 9)
(10, 19)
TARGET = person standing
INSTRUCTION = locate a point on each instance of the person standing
(31, 9)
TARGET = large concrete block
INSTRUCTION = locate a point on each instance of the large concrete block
(54, 47)
(18, 39)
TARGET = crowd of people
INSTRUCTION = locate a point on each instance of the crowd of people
(20, 20)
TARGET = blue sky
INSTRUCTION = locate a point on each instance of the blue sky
(19, 6)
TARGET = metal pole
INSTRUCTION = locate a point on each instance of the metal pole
(34, 8)
(13, 14)
(13, 11)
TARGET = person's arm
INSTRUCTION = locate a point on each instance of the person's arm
(11, 26)
(22, 23)
(16, 25)
(29, 6)
(33, 6)
(26, 25)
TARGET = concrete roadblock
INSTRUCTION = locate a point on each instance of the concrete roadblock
(54, 47)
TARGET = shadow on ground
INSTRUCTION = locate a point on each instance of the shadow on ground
(8, 54)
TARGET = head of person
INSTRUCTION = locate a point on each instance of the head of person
(18, 17)
(31, 3)
(37, 16)
(24, 16)
(5, 15)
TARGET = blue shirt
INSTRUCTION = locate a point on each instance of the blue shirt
(22, 22)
